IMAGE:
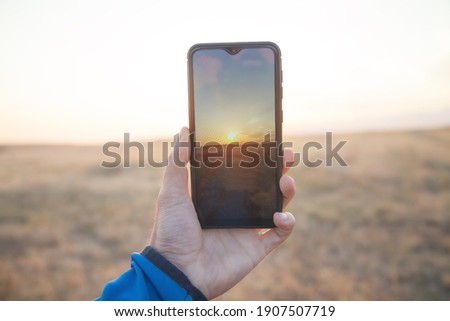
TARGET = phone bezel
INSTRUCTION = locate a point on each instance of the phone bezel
(244, 222)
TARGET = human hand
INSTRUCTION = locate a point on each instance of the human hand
(214, 260)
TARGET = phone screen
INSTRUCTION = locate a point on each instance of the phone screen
(235, 119)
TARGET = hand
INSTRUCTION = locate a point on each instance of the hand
(214, 260)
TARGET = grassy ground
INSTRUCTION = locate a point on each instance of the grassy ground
(376, 230)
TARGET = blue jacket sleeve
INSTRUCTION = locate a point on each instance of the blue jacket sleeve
(151, 277)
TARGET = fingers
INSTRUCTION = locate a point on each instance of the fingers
(175, 181)
(288, 159)
(284, 222)
(287, 186)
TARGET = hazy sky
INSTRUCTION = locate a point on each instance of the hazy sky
(234, 95)
(88, 71)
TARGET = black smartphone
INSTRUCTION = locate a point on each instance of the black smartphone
(235, 117)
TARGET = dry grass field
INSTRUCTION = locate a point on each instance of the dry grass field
(376, 230)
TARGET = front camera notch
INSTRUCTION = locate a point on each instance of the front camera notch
(233, 50)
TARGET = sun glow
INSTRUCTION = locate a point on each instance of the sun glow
(231, 136)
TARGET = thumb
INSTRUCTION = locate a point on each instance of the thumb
(284, 222)
(175, 181)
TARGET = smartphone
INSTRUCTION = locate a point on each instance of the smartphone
(235, 117)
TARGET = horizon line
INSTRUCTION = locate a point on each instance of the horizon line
(160, 139)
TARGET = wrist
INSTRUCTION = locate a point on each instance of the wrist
(162, 263)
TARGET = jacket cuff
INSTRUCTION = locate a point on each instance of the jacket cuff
(173, 272)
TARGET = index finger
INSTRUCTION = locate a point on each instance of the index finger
(288, 160)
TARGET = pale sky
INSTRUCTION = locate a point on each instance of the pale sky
(88, 71)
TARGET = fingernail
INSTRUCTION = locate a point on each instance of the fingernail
(283, 216)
